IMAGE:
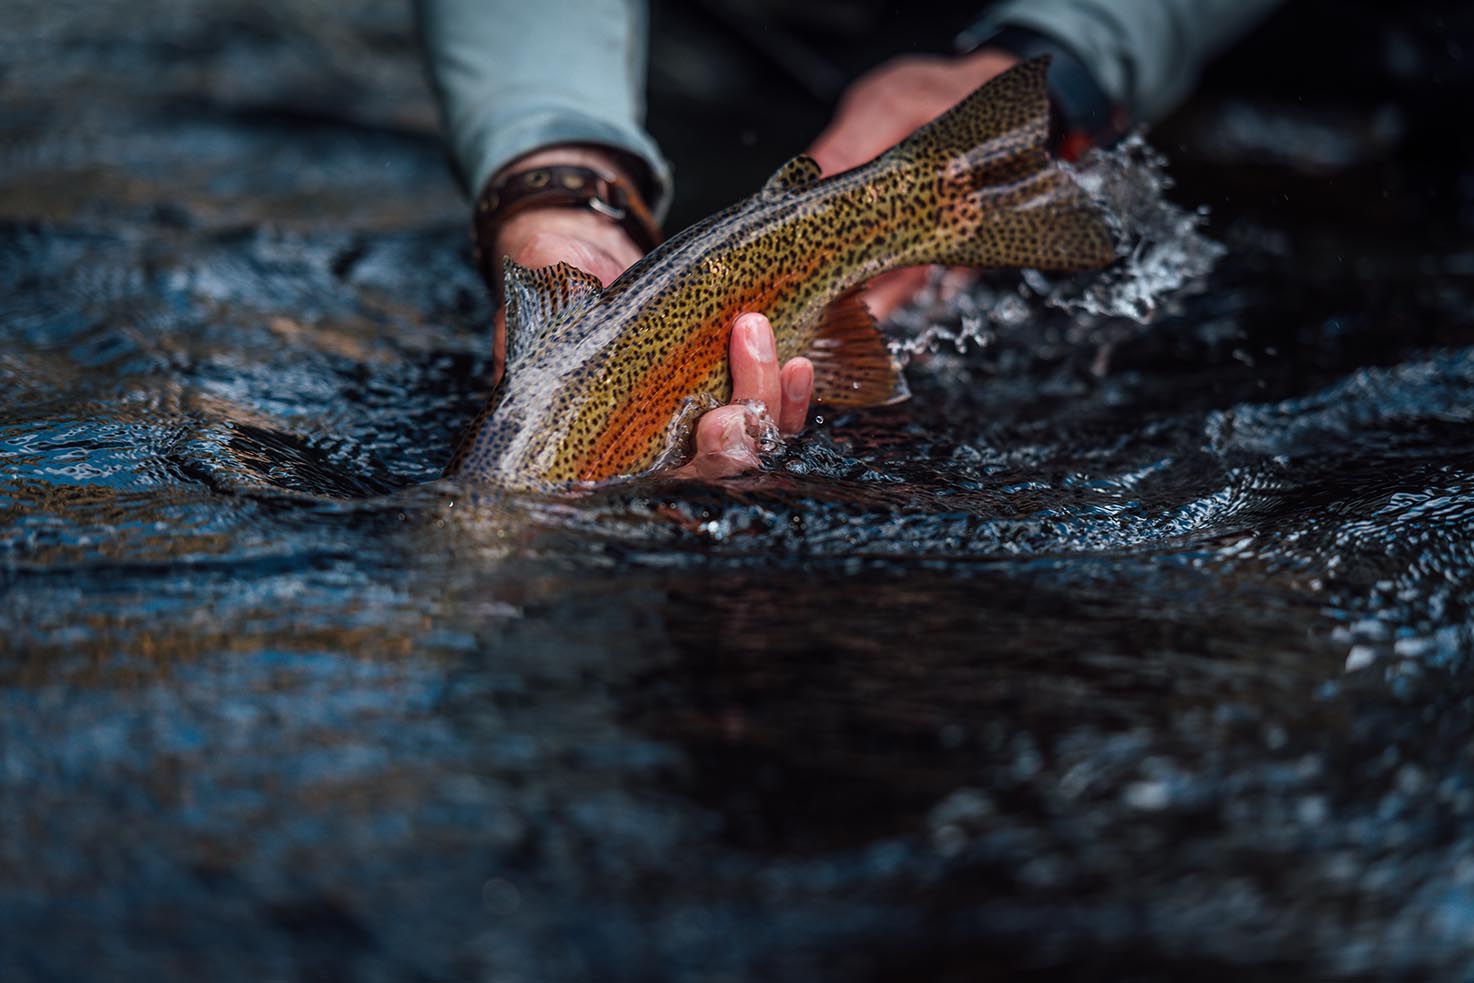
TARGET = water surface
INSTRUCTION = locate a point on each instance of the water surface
(1122, 650)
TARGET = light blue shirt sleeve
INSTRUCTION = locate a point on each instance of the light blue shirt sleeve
(512, 76)
(1145, 54)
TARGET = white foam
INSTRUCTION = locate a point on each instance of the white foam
(1164, 256)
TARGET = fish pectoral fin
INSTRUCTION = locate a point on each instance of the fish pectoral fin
(853, 364)
(538, 299)
(799, 172)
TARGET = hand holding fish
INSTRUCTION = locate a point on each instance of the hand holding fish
(547, 236)
(605, 379)
(725, 445)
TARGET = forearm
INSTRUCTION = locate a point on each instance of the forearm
(1146, 55)
(514, 78)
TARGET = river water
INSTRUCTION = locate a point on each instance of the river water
(1122, 650)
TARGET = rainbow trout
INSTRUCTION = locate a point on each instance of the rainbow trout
(604, 382)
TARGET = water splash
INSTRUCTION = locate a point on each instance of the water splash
(941, 317)
(1164, 257)
(1164, 253)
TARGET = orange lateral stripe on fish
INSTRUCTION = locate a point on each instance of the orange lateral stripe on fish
(602, 382)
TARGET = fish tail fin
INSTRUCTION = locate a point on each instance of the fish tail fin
(1001, 200)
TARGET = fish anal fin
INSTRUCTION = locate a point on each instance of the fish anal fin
(798, 172)
(853, 364)
(538, 300)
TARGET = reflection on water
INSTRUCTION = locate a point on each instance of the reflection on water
(1120, 649)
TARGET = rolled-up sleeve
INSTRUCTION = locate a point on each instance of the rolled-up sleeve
(1145, 54)
(513, 76)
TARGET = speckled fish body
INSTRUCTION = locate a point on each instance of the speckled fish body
(600, 382)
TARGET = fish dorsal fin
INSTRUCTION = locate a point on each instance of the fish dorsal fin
(538, 300)
(853, 364)
(799, 172)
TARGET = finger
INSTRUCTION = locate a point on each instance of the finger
(723, 446)
(862, 129)
(847, 143)
(797, 378)
(830, 153)
(755, 362)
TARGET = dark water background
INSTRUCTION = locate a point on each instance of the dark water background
(1120, 651)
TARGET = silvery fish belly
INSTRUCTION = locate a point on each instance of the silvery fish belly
(599, 380)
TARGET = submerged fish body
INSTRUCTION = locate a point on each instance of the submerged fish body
(600, 382)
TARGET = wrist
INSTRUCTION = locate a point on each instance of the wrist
(574, 191)
(513, 235)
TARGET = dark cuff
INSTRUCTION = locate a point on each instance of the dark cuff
(1083, 115)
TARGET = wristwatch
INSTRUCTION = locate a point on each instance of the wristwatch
(558, 186)
(1082, 115)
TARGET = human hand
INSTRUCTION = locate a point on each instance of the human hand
(547, 236)
(881, 109)
(589, 241)
(725, 444)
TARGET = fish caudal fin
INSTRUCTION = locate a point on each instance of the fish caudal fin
(853, 364)
(1002, 200)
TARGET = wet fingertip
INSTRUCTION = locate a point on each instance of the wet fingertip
(798, 381)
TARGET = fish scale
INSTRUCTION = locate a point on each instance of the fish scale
(600, 382)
